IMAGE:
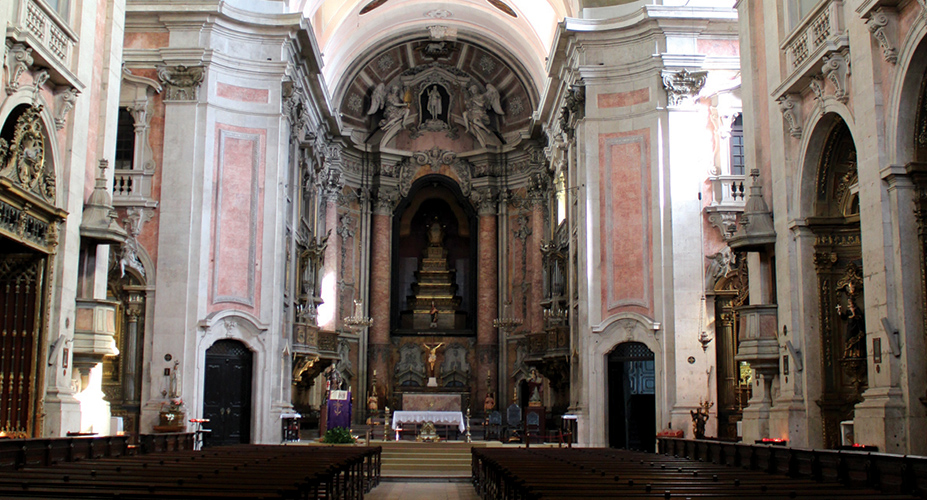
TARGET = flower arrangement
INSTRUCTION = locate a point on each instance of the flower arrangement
(338, 435)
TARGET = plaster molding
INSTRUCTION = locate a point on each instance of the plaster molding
(18, 59)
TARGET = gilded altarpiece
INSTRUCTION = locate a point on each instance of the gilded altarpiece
(838, 265)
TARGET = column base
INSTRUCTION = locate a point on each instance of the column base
(879, 420)
(62, 414)
(789, 420)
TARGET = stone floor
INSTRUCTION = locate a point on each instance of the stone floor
(423, 491)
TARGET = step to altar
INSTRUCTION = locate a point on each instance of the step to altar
(450, 460)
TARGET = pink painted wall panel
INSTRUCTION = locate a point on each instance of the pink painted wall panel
(625, 225)
(623, 99)
(237, 216)
(241, 94)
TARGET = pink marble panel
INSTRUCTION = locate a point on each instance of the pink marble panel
(626, 256)
(241, 94)
(716, 47)
(134, 40)
(623, 99)
(236, 218)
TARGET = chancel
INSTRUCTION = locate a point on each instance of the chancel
(590, 223)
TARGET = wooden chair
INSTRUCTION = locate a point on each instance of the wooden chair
(514, 425)
(533, 428)
(493, 426)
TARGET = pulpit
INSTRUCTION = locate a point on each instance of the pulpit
(339, 410)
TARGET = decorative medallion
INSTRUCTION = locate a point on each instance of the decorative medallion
(439, 14)
(23, 160)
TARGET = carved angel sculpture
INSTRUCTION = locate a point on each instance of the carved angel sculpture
(396, 109)
(476, 117)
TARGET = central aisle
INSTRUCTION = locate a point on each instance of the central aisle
(423, 491)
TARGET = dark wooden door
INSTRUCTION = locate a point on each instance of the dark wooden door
(21, 315)
(631, 398)
(227, 393)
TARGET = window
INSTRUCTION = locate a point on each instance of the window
(125, 140)
(737, 146)
(59, 6)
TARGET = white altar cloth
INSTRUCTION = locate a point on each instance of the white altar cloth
(436, 417)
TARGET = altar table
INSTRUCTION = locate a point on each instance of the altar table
(435, 417)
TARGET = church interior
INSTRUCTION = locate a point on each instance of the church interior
(704, 219)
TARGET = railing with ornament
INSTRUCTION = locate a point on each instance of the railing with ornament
(55, 39)
(307, 338)
(822, 31)
(727, 190)
(132, 188)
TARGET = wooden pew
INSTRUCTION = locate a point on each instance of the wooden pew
(236, 472)
(515, 474)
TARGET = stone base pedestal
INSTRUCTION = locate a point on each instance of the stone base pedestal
(880, 420)
(432, 382)
(62, 414)
(789, 420)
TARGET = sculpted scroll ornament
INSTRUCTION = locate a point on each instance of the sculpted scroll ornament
(19, 58)
(879, 26)
(836, 69)
(65, 104)
(23, 160)
(181, 83)
(788, 105)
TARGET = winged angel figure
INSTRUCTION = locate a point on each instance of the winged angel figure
(476, 117)
(396, 109)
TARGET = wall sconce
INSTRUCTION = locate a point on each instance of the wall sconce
(705, 338)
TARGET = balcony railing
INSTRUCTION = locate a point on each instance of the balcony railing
(823, 31)
(132, 188)
(308, 338)
(727, 190)
(56, 40)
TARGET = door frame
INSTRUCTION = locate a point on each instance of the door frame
(245, 328)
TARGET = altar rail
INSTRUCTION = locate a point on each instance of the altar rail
(890, 474)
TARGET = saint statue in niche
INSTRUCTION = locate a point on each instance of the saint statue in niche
(434, 102)
(435, 234)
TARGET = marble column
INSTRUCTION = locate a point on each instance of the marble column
(380, 272)
(535, 319)
(328, 311)
(487, 305)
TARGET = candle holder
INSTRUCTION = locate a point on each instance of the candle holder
(507, 322)
(358, 321)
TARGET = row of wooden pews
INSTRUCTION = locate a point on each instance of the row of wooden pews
(580, 473)
(230, 473)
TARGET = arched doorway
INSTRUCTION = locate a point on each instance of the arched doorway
(631, 398)
(227, 393)
(839, 268)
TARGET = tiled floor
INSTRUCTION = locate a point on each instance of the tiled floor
(423, 491)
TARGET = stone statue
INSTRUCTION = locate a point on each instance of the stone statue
(396, 109)
(856, 329)
(434, 315)
(372, 402)
(489, 402)
(432, 356)
(434, 102)
(435, 234)
(535, 386)
(175, 380)
(700, 418)
(476, 117)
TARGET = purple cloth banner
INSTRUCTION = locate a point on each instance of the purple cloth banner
(339, 409)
